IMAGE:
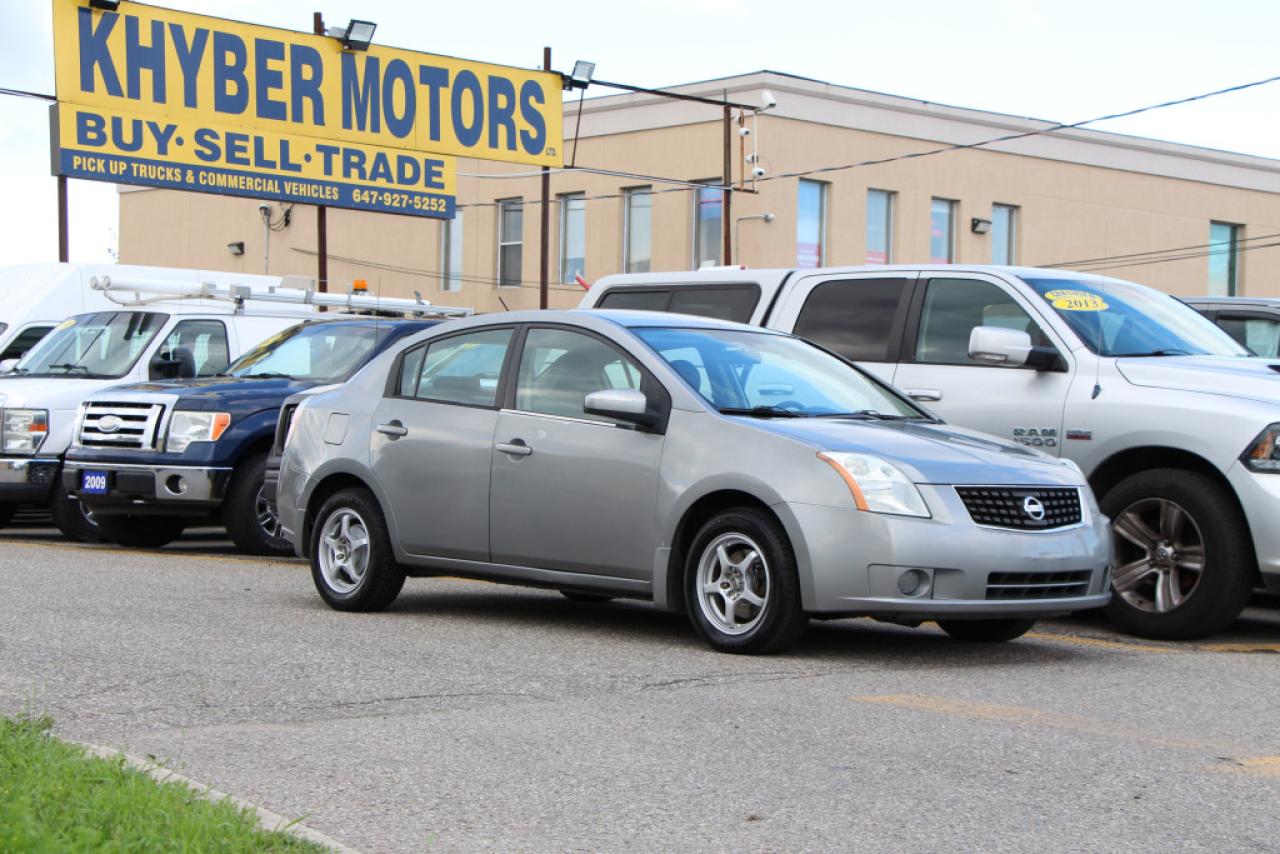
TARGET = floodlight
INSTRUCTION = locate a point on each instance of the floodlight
(583, 71)
(356, 35)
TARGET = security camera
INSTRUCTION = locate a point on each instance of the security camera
(744, 131)
(768, 217)
(758, 172)
(264, 208)
(766, 98)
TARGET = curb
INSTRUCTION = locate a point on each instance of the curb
(267, 820)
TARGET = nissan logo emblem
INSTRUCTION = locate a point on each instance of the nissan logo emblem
(109, 424)
(1033, 507)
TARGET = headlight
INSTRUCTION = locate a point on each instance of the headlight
(1263, 456)
(877, 485)
(24, 430)
(188, 427)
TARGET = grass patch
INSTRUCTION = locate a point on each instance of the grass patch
(54, 797)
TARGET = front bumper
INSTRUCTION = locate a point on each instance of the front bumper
(1259, 495)
(855, 559)
(150, 490)
(27, 480)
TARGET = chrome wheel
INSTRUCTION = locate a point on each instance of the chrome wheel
(344, 550)
(267, 519)
(87, 513)
(1160, 555)
(733, 584)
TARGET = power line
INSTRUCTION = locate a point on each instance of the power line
(431, 274)
(23, 93)
(1184, 257)
(1092, 261)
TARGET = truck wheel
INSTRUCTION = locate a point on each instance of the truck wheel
(986, 631)
(741, 584)
(6, 513)
(142, 532)
(1183, 563)
(250, 520)
(73, 519)
(352, 563)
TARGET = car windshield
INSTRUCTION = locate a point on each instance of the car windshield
(1116, 318)
(772, 376)
(324, 352)
(103, 345)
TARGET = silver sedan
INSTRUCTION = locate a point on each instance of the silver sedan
(745, 477)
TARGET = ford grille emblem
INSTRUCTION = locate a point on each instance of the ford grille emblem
(1033, 507)
(109, 424)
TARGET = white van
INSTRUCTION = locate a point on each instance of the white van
(1175, 424)
(123, 337)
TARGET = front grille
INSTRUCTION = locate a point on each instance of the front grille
(1038, 585)
(1015, 507)
(138, 425)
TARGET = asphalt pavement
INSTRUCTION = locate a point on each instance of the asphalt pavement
(474, 717)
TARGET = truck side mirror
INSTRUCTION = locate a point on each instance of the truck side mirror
(999, 346)
(176, 363)
(8, 365)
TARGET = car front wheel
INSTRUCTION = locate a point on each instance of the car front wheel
(76, 521)
(250, 519)
(741, 585)
(352, 563)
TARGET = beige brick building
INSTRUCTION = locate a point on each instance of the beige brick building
(1149, 209)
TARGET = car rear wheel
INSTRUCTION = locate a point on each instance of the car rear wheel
(75, 520)
(1184, 565)
(250, 519)
(141, 532)
(986, 631)
(352, 562)
(741, 585)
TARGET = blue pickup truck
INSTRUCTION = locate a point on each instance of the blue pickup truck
(147, 460)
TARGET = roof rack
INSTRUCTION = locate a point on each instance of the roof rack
(156, 291)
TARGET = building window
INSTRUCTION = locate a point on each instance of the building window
(708, 231)
(1003, 223)
(637, 230)
(1224, 247)
(879, 227)
(573, 237)
(811, 224)
(942, 231)
(451, 253)
(510, 242)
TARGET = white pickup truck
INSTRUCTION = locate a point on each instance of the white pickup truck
(1174, 423)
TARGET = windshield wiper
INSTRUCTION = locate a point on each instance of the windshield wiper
(871, 415)
(762, 412)
(1168, 351)
(265, 375)
(72, 367)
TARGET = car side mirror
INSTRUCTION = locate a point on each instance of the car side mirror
(622, 404)
(178, 363)
(8, 365)
(999, 346)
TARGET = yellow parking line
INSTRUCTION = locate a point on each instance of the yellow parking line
(1102, 643)
(1257, 766)
(86, 547)
(1240, 647)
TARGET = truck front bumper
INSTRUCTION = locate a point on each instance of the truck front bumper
(27, 480)
(149, 490)
(1260, 497)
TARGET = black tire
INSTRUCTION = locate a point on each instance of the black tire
(986, 631)
(71, 517)
(781, 621)
(6, 513)
(380, 583)
(253, 526)
(586, 598)
(1229, 566)
(141, 532)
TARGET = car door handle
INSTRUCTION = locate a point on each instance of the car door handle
(516, 447)
(395, 429)
(924, 393)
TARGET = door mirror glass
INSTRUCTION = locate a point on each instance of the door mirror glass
(621, 404)
(174, 363)
(8, 365)
(999, 346)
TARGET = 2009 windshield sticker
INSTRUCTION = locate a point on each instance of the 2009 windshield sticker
(1076, 301)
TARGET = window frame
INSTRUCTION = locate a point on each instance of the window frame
(707, 184)
(392, 386)
(896, 349)
(1243, 315)
(824, 202)
(1233, 257)
(1011, 241)
(563, 201)
(174, 330)
(628, 194)
(953, 208)
(451, 279)
(22, 330)
(891, 207)
(670, 291)
(515, 203)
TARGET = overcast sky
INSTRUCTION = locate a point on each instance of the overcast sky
(1049, 59)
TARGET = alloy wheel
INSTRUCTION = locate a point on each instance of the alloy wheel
(1160, 555)
(344, 550)
(266, 517)
(733, 584)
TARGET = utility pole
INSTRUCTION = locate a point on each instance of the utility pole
(322, 223)
(544, 270)
(727, 192)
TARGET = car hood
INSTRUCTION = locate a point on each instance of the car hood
(47, 392)
(1231, 376)
(929, 452)
(216, 393)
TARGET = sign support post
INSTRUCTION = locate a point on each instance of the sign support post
(322, 213)
(544, 260)
(64, 253)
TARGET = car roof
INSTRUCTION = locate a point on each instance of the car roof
(626, 318)
(1204, 300)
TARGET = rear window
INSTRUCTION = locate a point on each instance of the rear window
(854, 317)
(732, 302)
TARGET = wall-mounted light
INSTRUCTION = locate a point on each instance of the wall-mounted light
(979, 226)
(236, 248)
(356, 35)
(583, 71)
(105, 5)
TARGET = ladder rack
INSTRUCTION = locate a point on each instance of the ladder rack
(158, 290)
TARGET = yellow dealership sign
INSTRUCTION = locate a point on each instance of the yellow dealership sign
(163, 98)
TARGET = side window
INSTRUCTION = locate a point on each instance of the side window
(854, 317)
(559, 368)
(734, 303)
(410, 370)
(24, 341)
(1259, 334)
(954, 307)
(205, 341)
(636, 300)
(464, 368)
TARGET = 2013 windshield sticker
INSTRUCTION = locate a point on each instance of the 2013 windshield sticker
(1076, 301)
